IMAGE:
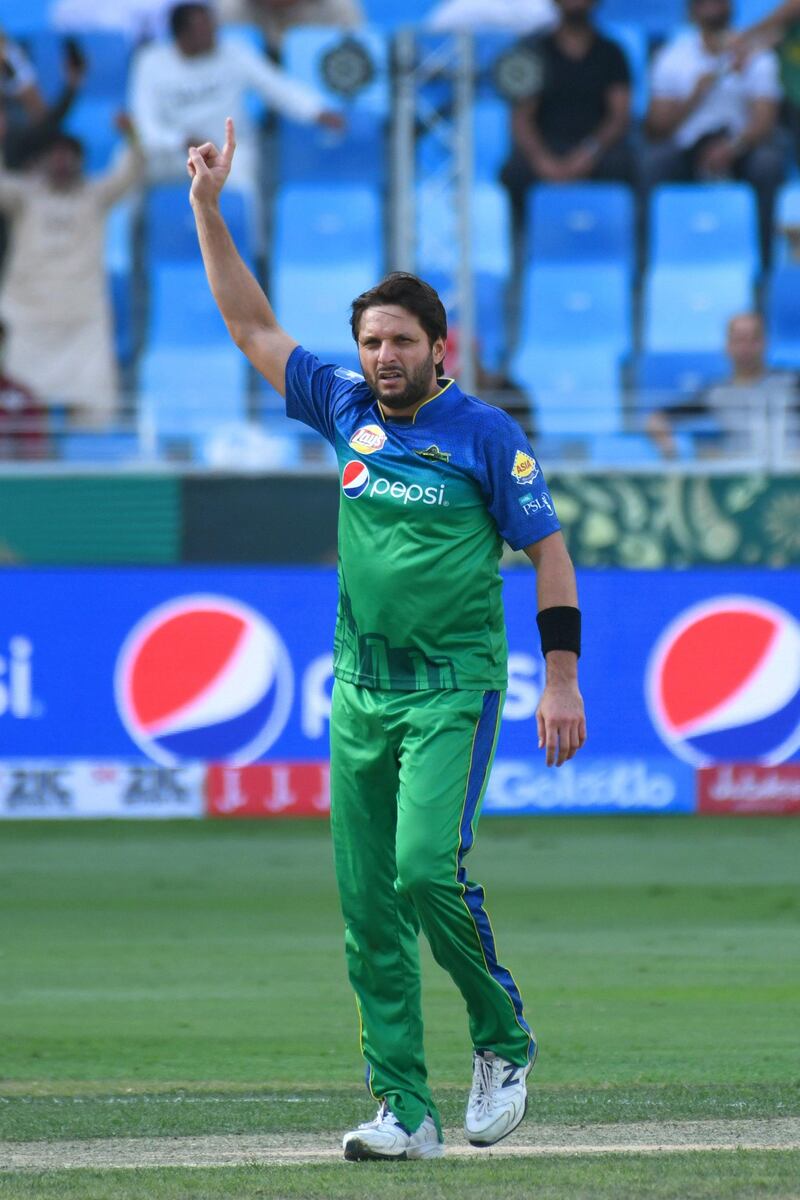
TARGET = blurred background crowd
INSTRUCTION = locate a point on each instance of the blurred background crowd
(605, 192)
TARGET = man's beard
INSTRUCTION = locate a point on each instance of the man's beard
(418, 387)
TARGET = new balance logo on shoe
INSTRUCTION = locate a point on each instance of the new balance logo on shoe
(498, 1099)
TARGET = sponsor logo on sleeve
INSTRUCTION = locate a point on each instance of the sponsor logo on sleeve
(525, 467)
(368, 439)
(533, 504)
(345, 373)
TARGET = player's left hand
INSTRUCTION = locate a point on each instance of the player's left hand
(561, 722)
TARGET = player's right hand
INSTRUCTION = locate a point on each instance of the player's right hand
(209, 167)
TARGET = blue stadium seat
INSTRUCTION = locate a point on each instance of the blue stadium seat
(585, 306)
(313, 304)
(782, 305)
(491, 131)
(26, 17)
(328, 223)
(357, 153)
(92, 121)
(655, 17)
(704, 224)
(307, 50)
(170, 232)
(185, 395)
(687, 308)
(182, 310)
(661, 378)
(581, 223)
(576, 394)
(390, 17)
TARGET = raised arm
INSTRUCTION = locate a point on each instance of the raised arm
(560, 716)
(244, 307)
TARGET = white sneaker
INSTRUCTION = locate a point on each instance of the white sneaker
(498, 1098)
(385, 1138)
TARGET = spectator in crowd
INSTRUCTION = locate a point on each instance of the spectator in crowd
(183, 90)
(753, 411)
(22, 141)
(512, 16)
(18, 82)
(54, 295)
(274, 17)
(780, 27)
(23, 420)
(575, 124)
(713, 115)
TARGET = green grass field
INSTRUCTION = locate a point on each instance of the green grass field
(165, 980)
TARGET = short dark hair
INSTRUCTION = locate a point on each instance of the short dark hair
(62, 138)
(410, 292)
(181, 15)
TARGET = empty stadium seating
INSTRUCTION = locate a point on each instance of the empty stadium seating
(581, 223)
(699, 225)
(783, 317)
(687, 308)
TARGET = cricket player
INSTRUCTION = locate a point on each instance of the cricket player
(432, 482)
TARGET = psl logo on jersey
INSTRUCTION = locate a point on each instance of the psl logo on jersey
(203, 677)
(368, 439)
(723, 683)
(355, 479)
(525, 467)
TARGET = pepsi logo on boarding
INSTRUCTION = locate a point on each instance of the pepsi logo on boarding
(723, 683)
(204, 677)
(355, 479)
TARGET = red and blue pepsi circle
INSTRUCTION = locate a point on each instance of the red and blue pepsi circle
(723, 683)
(204, 678)
(355, 479)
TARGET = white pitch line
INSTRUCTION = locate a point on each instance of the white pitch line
(235, 1150)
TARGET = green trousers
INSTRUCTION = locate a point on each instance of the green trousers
(408, 774)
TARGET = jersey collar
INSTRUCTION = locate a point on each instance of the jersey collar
(425, 413)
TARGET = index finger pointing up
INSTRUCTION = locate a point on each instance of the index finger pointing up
(230, 140)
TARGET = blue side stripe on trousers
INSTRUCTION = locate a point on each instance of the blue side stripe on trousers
(473, 893)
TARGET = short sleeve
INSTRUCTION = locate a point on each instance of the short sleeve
(762, 77)
(618, 72)
(515, 489)
(317, 392)
(669, 78)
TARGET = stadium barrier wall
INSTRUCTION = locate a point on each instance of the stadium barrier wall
(206, 691)
(610, 519)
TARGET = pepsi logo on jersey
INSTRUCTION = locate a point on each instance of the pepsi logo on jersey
(356, 480)
(723, 683)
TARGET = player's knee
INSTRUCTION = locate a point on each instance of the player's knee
(415, 876)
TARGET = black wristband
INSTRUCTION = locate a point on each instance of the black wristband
(560, 629)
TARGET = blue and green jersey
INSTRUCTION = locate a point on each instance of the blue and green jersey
(425, 506)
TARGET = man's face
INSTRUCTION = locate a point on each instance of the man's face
(199, 35)
(62, 165)
(746, 344)
(712, 15)
(397, 359)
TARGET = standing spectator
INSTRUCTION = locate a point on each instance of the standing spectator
(23, 420)
(752, 411)
(183, 90)
(274, 17)
(575, 125)
(54, 295)
(712, 115)
(510, 16)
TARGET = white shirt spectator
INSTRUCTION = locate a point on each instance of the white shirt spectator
(679, 65)
(175, 98)
(512, 16)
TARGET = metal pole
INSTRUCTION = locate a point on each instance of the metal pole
(403, 157)
(464, 149)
